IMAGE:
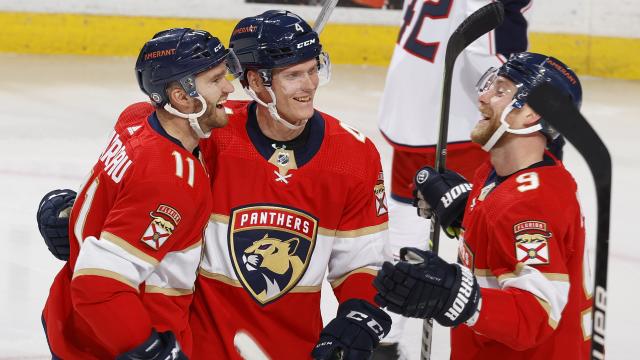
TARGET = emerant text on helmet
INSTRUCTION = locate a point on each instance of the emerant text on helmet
(159, 53)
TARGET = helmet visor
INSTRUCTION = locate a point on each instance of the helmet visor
(324, 68)
(234, 69)
(487, 80)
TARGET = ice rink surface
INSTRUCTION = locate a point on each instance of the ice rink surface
(56, 113)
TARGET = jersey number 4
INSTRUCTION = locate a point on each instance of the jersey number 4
(432, 9)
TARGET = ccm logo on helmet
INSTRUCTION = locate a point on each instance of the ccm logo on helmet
(306, 43)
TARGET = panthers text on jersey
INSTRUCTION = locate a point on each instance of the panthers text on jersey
(524, 240)
(284, 214)
(136, 238)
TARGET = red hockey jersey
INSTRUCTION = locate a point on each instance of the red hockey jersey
(136, 238)
(282, 217)
(524, 240)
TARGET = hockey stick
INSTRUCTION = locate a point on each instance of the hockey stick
(248, 348)
(477, 24)
(558, 110)
(324, 15)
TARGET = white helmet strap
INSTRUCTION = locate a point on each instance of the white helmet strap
(193, 117)
(504, 127)
(273, 111)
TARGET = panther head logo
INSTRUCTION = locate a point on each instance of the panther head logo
(270, 247)
(273, 258)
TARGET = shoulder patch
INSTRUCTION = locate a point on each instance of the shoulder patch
(381, 196)
(532, 242)
(163, 223)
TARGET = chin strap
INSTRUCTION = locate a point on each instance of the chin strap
(272, 108)
(193, 117)
(504, 127)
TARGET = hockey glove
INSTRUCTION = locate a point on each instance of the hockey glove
(53, 221)
(159, 346)
(354, 333)
(444, 194)
(422, 285)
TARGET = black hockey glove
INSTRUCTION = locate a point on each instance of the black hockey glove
(159, 346)
(422, 285)
(354, 333)
(53, 221)
(444, 194)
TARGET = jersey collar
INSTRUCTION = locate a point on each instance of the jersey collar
(303, 149)
(154, 122)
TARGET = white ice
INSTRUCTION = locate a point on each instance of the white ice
(55, 114)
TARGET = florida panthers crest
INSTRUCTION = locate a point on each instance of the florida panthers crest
(270, 247)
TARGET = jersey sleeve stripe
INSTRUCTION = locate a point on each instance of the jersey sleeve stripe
(195, 245)
(545, 305)
(169, 292)
(551, 292)
(106, 255)
(106, 274)
(362, 231)
(126, 246)
(177, 270)
(549, 276)
(351, 254)
(585, 323)
(219, 218)
(486, 273)
(364, 270)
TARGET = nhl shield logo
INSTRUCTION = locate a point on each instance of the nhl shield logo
(270, 247)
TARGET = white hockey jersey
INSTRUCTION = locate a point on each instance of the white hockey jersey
(410, 107)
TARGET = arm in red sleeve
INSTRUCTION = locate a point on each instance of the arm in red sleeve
(113, 310)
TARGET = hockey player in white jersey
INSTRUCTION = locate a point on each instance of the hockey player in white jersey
(410, 108)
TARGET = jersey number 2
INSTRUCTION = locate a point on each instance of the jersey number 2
(432, 9)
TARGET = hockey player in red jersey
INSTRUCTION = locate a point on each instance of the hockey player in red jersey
(410, 108)
(521, 289)
(136, 228)
(296, 192)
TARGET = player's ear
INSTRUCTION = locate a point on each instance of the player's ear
(530, 116)
(255, 81)
(178, 98)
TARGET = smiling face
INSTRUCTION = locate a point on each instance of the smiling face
(492, 101)
(295, 87)
(214, 88)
